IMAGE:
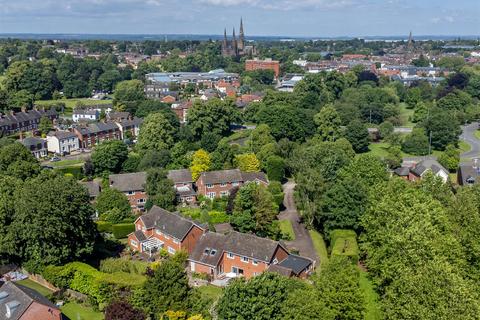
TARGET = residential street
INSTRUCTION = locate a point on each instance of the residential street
(468, 135)
(303, 242)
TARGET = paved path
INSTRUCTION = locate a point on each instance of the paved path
(468, 135)
(303, 242)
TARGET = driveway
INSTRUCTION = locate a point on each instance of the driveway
(468, 135)
(303, 242)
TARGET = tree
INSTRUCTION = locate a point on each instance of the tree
(443, 128)
(167, 289)
(122, 310)
(450, 158)
(160, 190)
(157, 133)
(385, 129)
(154, 159)
(261, 298)
(416, 143)
(214, 116)
(52, 223)
(247, 162)
(128, 92)
(109, 156)
(201, 162)
(260, 137)
(8, 186)
(132, 162)
(17, 161)
(45, 125)
(357, 134)
(113, 206)
(328, 123)
(275, 168)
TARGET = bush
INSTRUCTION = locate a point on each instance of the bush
(104, 226)
(275, 168)
(344, 243)
(216, 217)
(122, 230)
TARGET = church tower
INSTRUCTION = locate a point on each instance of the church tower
(234, 44)
(225, 43)
(241, 41)
(410, 42)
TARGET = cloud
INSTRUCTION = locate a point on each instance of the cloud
(281, 4)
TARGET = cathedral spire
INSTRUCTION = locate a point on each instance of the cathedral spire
(241, 42)
(225, 42)
(234, 44)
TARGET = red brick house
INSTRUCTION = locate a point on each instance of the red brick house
(181, 110)
(238, 254)
(133, 186)
(22, 303)
(160, 229)
(216, 184)
(267, 64)
(183, 183)
(95, 133)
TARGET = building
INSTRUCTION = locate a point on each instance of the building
(160, 229)
(238, 254)
(93, 187)
(62, 142)
(37, 146)
(95, 133)
(181, 110)
(129, 127)
(236, 47)
(287, 84)
(14, 122)
(85, 115)
(468, 174)
(184, 185)
(216, 184)
(133, 186)
(416, 171)
(267, 64)
(21, 303)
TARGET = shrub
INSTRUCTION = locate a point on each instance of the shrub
(216, 217)
(112, 265)
(275, 168)
(104, 226)
(344, 243)
(122, 230)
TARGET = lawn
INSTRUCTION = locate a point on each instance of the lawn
(287, 229)
(405, 115)
(67, 163)
(319, 245)
(372, 311)
(70, 104)
(44, 291)
(463, 146)
(77, 311)
(477, 134)
(211, 292)
(380, 149)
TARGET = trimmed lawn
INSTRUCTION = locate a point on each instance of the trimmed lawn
(44, 291)
(77, 311)
(463, 146)
(72, 103)
(477, 134)
(380, 149)
(372, 311)
(211, 292)
(287, 229)
(405, 115)
(67, 163)
(319, 245)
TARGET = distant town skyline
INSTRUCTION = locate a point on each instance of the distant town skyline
(309, 18)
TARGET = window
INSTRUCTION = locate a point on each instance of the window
(213, 252)
(223, 184)
(176, 241)
(235, 183)
(141, 200)
(139, 227)
(206, 251)
(224, 193)
(230, 255)
(171, 250)
(245, 259)
(275, 261)
(255, 262)
(130, 193)
(237, 270)
(211, 195)
(134, 243)
(209, 185)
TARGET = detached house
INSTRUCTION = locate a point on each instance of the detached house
(183, 183)
(160, 229)
(416, 171)
(21, 303)
(216, 184)
(133, 186)
(129, 128)
(239, 254)
(37, 146)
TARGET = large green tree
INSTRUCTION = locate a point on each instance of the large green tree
(113, 206)
(328, 123)
(357, 134)
(17, 161)
(156, 134)
(109, 156)
(160, 190)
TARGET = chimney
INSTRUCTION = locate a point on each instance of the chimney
(24, 109)
(21, 135)
(12, 112)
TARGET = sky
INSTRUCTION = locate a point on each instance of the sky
(312, 18)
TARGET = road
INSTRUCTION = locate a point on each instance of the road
(303, 242)
(468, 135)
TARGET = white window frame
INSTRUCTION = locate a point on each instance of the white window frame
(255, 262)
(235, 184)
(141, 200)
(223, 184)
(134, 243)
(230, 255)
(245, 259)
(211, 195)
(209, 186)
(171, 250)
(130, 193)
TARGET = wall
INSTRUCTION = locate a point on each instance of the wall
(191, 239)
(249, 270)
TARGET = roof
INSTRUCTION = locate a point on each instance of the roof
(140, 236)
(468, 174)
(185, 191)
(31, 115)
(287, 272)
(428, 164)
(221, 176)
(251, 246)
(128, 181)
(402, 171)
(23, 297)
(93, 187)
(296, 263)
(223, 227)
(32, 141)
(252, 176)
(62, 134)
(209, 249)
(118, 115)
(180, 176)
(167, 222)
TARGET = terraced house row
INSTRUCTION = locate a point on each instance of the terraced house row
(218, 255)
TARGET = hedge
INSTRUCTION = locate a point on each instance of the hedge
(112, 265)
(344, 243)
(122, 230)
(100, 287)
(104, 226)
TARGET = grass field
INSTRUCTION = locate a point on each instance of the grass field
(77, 311)
(44, 291)
(70, 104)
(211, 292)
(372, 311)
(319, 245)
(380, 149)
(463, 146)
(67, 163)
(287, 229)
(405, 115)
(477, 134)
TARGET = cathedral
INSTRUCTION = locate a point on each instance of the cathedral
(236, 47)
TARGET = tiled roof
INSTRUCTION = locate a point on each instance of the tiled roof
(251, 246)
(93, 187)
(128, 181)
(209, 249)
(180, 176)
(62, 134)
(296, 263)
(222, 176)
(32, 141)
(287, 272)
(253, 176)
(425, 165)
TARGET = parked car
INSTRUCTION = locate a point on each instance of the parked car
(54, 159)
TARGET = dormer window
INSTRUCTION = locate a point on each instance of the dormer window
(213, 252)
(206, 251)
(470, 180)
